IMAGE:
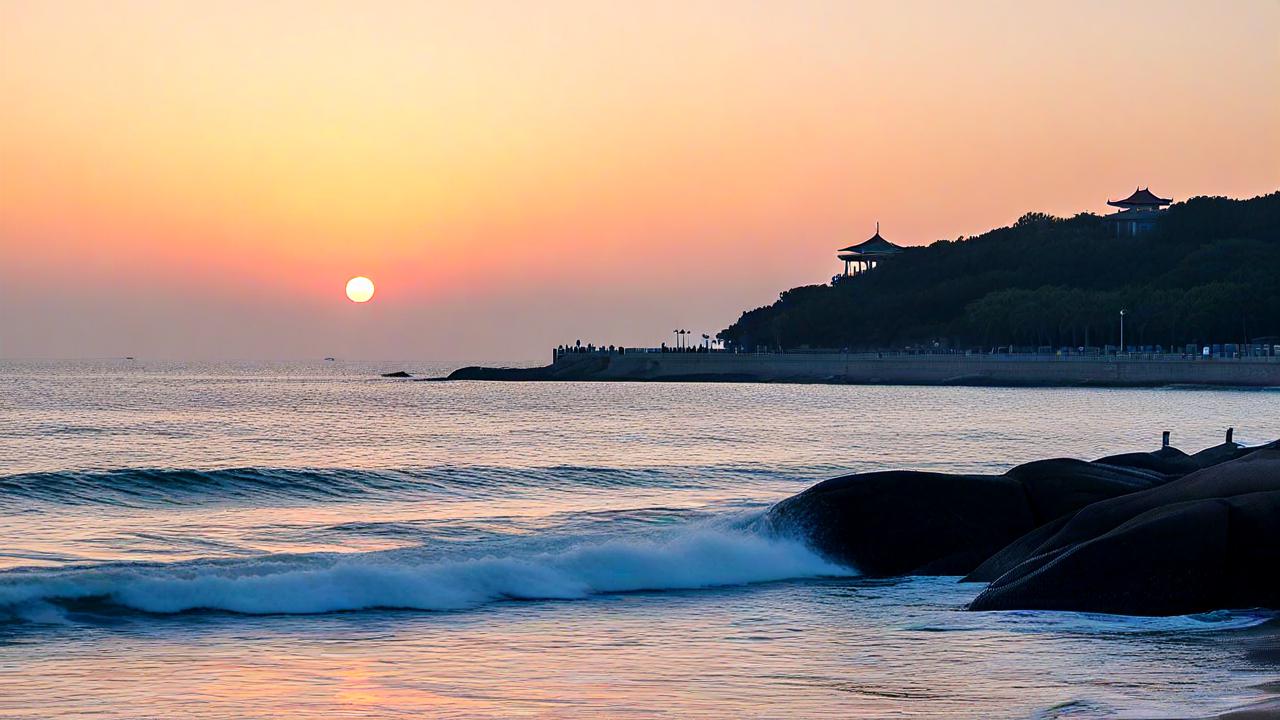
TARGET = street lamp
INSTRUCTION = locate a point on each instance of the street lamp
(1122, 330)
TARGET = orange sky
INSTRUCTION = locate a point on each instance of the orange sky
(193, 180)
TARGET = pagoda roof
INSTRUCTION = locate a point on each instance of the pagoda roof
(875, 245)
(1141, 197)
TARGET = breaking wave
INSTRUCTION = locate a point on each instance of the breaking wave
(690, 558)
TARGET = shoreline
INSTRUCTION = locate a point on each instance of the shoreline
(874, 369)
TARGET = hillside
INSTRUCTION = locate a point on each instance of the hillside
(1209, 273)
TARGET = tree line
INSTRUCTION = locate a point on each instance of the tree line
(1209, 272)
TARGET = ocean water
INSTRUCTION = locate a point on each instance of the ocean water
(311, 540)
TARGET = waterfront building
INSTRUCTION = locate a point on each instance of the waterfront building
(867, 254)
(1138, 213)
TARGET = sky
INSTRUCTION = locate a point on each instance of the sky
(199, 180)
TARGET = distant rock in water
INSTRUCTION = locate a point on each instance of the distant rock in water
(1207, 541)
(397, 374)
(573, 367)
(488, 373)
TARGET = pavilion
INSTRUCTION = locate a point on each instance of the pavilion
(1138, 212)
(866, 254)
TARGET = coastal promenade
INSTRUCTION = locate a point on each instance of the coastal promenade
(891, 369)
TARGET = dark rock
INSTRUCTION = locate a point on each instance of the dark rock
(573, 368)
(1025, 547)
(1062, 485)
(1219, 454)
(901, 522)
(487, 373)
(1016, 552)
(1206, 541)
(920, 523)
(895, 523)
(397, 374)
(1167, 460)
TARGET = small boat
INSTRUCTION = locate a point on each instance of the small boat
(328, 359)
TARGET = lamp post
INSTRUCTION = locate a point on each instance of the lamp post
(1122, 330)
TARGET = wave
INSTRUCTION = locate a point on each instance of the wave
(691, 558)
(151, 486)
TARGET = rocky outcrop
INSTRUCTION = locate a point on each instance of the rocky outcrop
(569, 367)
(1206, 541)
(1174, 461)
(922, 523)
(1142, 533)
(499, 373)
(907, 523)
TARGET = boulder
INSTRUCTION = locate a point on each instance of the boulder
(1062, 485)
(903, 522)
(1016, 552)
(1167, 460)
(924, 523)
(1209, 540)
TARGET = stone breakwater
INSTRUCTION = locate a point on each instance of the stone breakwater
(871, 369)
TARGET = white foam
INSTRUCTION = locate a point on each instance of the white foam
(696, 558)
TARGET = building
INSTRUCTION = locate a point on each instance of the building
(866, 254)
(1138, 212)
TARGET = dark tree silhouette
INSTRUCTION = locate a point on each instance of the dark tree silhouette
(1208, 273)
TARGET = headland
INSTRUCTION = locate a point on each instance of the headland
(1159, 293)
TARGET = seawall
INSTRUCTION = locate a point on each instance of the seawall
(855, 368)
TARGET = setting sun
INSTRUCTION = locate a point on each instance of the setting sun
(359, 289)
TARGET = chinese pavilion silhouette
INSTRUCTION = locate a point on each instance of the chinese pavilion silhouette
(1138, 212)
(867, 254)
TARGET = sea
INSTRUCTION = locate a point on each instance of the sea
(312, 540)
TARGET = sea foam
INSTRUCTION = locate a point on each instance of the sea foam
(698, 557)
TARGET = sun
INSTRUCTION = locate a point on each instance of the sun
(359, 289)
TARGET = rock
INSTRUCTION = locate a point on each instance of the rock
(487, 373)
(1016, 552)
(573, 367)
(1025, 548)
(920, 523)
(397, 374)
(1062, 485)
(902, 522)
(1219, 454)
(1166, 460)
(1209, 540)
